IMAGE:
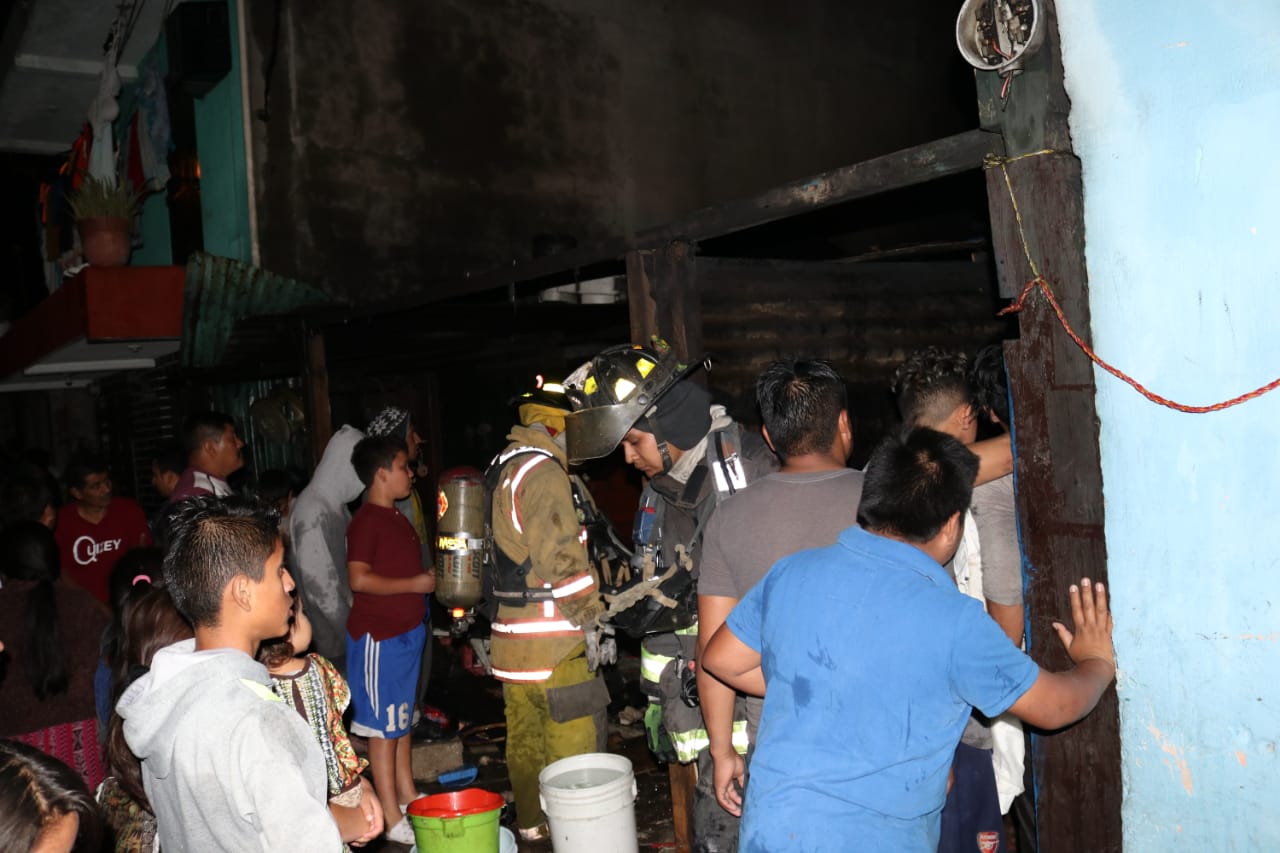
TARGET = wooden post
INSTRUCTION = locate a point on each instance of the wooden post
(643, 309)
(1078, 788)
(684, 779)
(662, 285)
(675, 291)
(316, 390)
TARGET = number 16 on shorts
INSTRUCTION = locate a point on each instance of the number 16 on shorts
(383, 675)
(398, 718)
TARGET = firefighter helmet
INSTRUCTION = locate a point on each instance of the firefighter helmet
(612, 392)
(546, 404)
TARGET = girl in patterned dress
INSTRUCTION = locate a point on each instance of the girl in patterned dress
(319, 693)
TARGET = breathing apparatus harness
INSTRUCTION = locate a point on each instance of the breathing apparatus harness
(507, 583)
(653, 592)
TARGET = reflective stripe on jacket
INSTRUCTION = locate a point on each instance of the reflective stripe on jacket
(534, 519)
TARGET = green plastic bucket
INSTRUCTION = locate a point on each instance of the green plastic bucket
(463, 821)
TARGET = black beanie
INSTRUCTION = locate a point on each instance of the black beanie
(684, 415)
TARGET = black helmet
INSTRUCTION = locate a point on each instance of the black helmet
(612, 392)
(544, 393)
(546, 404)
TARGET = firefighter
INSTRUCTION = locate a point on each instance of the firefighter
(549, 606)
(693, 456)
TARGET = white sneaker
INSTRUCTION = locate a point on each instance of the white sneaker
(541, 832)
(405, 806)
(402, 832)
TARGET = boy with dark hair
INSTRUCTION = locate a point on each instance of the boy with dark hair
(226, 764)
(385, 634)
(932, 389)
(935, 389)
(805, 504)
(94, 529)
(871, 692)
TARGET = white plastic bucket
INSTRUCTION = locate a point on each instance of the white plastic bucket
(590, 803)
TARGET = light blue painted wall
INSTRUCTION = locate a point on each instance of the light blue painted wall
(1175, 114)
(224, 193)
(157, 243)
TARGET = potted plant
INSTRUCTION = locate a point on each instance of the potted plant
(103, 210)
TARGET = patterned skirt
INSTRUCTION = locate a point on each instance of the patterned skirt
(74, 744)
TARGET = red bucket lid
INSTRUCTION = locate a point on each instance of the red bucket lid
(468, 801)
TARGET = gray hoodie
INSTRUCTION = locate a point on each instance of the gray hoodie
(318, 531)
(225, 763)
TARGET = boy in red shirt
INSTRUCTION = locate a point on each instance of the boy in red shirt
(385, 634)
(95, 529)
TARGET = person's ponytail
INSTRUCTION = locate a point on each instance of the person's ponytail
(44, 655)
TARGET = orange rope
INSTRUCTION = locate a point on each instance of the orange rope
(1040, 283)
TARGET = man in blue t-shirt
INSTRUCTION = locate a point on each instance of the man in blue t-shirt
(874, 661)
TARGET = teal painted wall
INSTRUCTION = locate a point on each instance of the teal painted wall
(224, 193)
(1175, 108)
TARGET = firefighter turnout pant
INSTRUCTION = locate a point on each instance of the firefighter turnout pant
(549, 720)
(673, 723)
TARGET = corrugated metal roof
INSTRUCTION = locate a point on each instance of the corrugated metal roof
(221, 291)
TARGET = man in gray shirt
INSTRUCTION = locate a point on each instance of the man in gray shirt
(806, 504)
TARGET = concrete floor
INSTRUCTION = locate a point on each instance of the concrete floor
(477, 701)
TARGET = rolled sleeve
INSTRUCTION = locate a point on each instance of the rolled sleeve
(997, 523)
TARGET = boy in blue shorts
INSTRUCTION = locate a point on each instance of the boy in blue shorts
(385, 634)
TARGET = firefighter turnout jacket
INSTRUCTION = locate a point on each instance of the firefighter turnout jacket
(536, 527)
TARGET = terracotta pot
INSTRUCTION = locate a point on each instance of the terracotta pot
(105, 240)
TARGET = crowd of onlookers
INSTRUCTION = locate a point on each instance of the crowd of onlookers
(156, 680)
(154, 672)
(83, 610)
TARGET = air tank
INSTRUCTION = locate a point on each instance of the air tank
(460, 541)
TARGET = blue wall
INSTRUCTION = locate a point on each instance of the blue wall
(1175, 114)
(157, 245)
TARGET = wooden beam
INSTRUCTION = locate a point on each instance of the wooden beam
(1078, 784)
(919, 164)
